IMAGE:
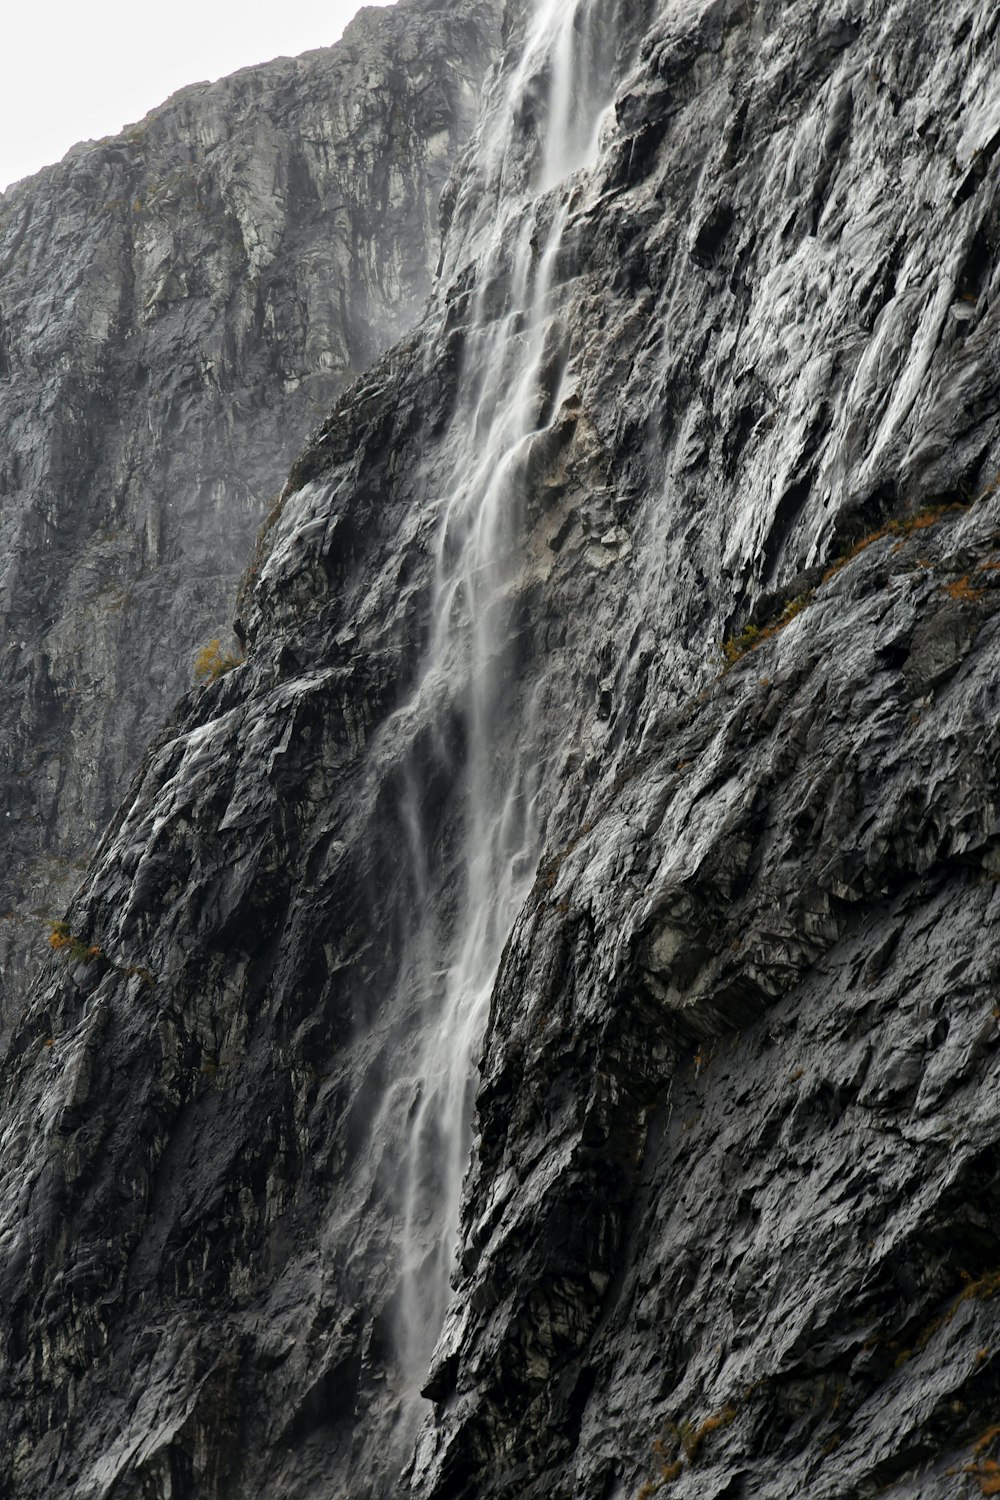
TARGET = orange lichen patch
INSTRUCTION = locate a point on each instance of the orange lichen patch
(961, 588)
(985, 1440)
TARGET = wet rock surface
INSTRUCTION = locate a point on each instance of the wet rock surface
(734, 1178)
(179, 306)
(752, 1016)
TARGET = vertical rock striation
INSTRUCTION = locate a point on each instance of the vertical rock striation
(179, 306)
(734, 1175)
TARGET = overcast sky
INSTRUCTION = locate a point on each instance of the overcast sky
(75, 70)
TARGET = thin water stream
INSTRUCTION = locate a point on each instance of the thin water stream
(511, 389)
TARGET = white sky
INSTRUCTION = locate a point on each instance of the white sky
(75, 70)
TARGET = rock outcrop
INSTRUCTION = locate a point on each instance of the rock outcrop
(649, 586)
(179, 306)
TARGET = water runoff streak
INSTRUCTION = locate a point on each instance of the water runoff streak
(505, 402)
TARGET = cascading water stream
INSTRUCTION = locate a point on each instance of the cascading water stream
(511, 392)
(472, 583)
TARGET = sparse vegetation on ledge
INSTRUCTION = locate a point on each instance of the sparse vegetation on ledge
(61, 940)
(902, 529)
(212, 662)
(66, 942)
(682, 1442)
(735, 648)
(985, 1470)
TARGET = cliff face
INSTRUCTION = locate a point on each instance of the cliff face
(178, 308)
(712, 358)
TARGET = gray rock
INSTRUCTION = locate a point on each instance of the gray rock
(734, 1175)
(179, 306)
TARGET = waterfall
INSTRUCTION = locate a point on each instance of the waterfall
(511, 388)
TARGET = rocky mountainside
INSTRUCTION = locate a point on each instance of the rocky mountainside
(178, 308)
(616, 743)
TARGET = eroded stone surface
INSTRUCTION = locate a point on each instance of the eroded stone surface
(737, 1140)
(179, 306)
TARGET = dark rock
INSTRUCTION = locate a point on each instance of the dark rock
(731, 1222)
(179, 306)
